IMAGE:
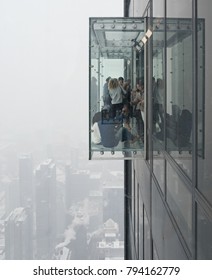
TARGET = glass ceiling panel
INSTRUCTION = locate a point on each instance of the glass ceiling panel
(114, 36)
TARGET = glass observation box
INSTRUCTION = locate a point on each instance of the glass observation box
(140, 87)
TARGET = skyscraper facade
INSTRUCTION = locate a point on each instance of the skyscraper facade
(45, 190)
(171, 206)
(26, 180)
(19, 235)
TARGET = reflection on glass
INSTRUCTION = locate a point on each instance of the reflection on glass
(180, 95)
(179, 92)
(176, 119)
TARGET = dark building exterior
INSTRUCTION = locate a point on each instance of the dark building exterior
(171, 210)
(163, 45)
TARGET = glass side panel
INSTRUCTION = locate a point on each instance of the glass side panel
(116, 129)
(179, 94)
(172, 91)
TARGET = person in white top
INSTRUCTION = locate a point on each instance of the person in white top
(107, 133)
(106, 95)
(95, 133)
(116, 92)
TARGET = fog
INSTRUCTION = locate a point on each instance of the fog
(44, 46)
(44, 64)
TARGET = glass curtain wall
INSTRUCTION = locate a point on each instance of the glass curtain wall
(173, 95)
(179, 86)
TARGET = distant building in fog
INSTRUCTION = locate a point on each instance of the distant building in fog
(78, 246)
(95, 210)
(12, 196)
(25, 180)
(2, 240)
(111, 247)
(76, 185)
(45, 189)
(113, 205)
(18, 235)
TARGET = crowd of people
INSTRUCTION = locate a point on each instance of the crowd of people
(121, 117)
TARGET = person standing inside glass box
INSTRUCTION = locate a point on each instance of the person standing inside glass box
(137, 101)
(116, 93)
(106, 95)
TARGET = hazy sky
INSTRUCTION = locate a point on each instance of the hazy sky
(44, 63)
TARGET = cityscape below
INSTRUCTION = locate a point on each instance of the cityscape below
(60, 207)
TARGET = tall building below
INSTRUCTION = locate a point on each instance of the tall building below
(25, 180)
(113, 205)
(77, 185)
(46, 223)
(12, 195)
(111, 247)
(18, 235)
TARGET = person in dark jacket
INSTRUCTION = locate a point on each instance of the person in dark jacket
(112, 132)
(106, 94)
